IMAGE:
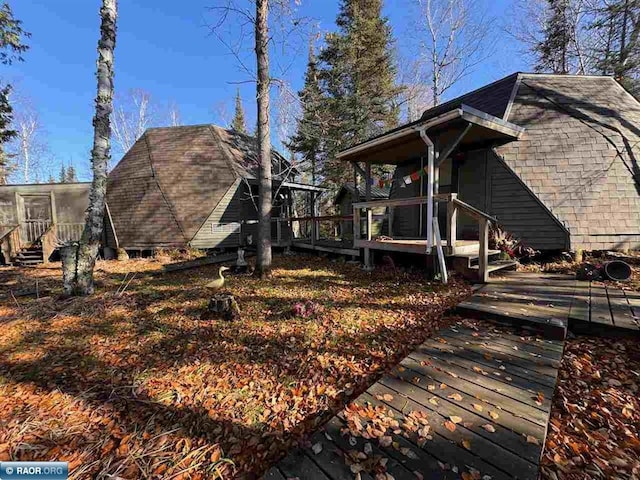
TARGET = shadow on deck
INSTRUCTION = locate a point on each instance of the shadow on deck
(557, 303)
(472, 399)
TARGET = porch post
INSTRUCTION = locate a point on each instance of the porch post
(313, 219)
(483, 259)
(452, 223)
(368, 264)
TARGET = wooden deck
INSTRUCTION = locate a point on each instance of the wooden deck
(327, 246)
(472, 399)
(557, 303)
(416, 246)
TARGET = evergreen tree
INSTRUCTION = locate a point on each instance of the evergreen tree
(51, 179)
(71, 176)
(358, 80)
(617, 23)
(307, 140)
(239, 124)
(62, 177)
(555, 50)
(11, 49)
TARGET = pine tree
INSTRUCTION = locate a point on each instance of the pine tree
(358, 80)
(618, 24)
(62, 177)
(51, 179)
(71, 175)
(554, 52)
(307, 140)
(239, 124)
(11, 48)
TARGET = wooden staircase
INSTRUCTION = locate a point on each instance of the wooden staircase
(468, 264)
(30, 256)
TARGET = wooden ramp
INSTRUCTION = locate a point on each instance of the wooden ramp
(473, 402)
(556, 302)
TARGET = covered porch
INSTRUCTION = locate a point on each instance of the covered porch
(428, 212)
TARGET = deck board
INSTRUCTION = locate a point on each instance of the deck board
(503, 358)
(600, 312)
(556, 302)
(489, 364)
(620, 309)
(499, 425)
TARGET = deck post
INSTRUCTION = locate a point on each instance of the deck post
(390, 220)
(279, 231)
(452, 223)
(368, 264)
(356, 225)
(483, 259)
(313, 219)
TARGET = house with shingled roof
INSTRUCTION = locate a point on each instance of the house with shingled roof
(553, 159)
(193, 186)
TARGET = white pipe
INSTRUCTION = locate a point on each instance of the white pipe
(430, 170)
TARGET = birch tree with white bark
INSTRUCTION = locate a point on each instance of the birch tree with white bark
(132, 115)
(454, 37)
(79, 258)
(29, 156)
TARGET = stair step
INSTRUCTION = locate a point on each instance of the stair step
(476, 254)
(29, 263)
(496, 265)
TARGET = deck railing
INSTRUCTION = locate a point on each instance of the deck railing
(363, 239)
(11, 241)
(68, 232)
(32, 230)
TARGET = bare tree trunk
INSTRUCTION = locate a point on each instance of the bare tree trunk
(263, 264)
(79, 258)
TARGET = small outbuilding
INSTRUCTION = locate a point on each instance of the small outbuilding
(347, 195)
(36, 218)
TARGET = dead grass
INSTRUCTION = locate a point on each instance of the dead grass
(137, 386)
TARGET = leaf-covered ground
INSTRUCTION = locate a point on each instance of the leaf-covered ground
(135, 385)
(595, 422)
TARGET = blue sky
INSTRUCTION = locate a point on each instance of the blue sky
(165, 48)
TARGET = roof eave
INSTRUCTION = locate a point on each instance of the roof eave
(465, 112)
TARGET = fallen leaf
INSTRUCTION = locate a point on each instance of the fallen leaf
(466, 444)
(532, 439)
(478, 407)
(489, 428)
(450, 426)
(317, 448)
(494, 415)
(455, 396)
(385, 441)
(433, 401)
(455, 419)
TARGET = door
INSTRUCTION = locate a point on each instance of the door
(36, 216)
(472, 189)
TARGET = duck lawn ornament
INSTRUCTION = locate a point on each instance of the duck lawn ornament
(217, 284)
(221, 304)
